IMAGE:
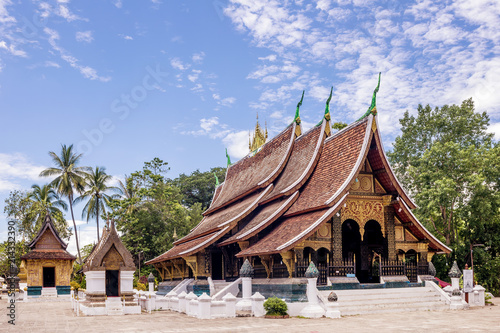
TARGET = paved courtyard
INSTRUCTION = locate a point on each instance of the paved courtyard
(58, 317)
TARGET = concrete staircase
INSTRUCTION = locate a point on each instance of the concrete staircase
(114, 306)
(219, 285)
(49, 292)
(365, 301)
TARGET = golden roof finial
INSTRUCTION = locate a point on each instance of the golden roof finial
(259, 137)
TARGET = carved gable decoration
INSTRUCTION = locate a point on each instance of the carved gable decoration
(113, 260)
(109, 253)
(363, 183)
(48, 241)
(410, 237)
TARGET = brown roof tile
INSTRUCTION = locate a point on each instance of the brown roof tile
(264, 217)
(305, 153)
(227, 216)
(49, 254)
(291, 231)
(340, 154)
(190, 247)
(256, 171)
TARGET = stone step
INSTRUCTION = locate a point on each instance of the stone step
(426, 306)
(49, 292)
(114, 306)
(378, 290)
(429, 298)
(364, 301)
(243, 313)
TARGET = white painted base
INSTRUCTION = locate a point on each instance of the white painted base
(244, 305)
(312, 311)
(332, 310)
(132, 310)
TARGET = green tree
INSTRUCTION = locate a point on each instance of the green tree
(199, 186)
(96, 188)
(70, 179)
(28, 209)
(449, 164)
(149, 216)
(339, 125)
(47, 199)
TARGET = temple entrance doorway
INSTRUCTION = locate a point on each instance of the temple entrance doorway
(49, 277)
(217, 266)
(112, 283)
(373, 248)
(351, 243)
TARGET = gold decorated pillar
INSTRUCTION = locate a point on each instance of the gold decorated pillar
(389, 227)
(192, 262)
(336, 237)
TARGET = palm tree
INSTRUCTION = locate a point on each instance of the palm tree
(70, 178)
(128, 192)
(48, 199)
(96, 187)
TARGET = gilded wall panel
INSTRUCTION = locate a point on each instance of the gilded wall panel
(362, 211)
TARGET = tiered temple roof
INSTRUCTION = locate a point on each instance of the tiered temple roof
(48, 244)
(109, 252)
(281, 195)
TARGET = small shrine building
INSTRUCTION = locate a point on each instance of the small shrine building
(109, 268)
(46, 268)
(330, 198)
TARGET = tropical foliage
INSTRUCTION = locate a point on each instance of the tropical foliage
(96, 193)
(70, 179)
(449, 163)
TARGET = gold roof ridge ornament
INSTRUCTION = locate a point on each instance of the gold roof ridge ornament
(373, 107)
(259, 136)
(328, 117)
(298, 128)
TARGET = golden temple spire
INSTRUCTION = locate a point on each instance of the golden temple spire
(259, 136)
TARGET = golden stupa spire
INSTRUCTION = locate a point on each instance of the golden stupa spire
(259, 136)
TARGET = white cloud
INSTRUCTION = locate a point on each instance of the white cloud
(198, 57)
(271, 57)
(228, 101)
(84, 36)
(237, 144)
(86, 71)
(12, 49)
(177, 64)
(4, 14)
(432, 52)
(52, 64)
(16, 169)
(118, 3)
(87, 234)
(495, 128)
(64, 12)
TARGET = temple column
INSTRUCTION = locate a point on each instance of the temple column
(389, 229)
(336, 237)
(422, 251)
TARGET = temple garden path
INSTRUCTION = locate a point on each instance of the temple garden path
(58, 317)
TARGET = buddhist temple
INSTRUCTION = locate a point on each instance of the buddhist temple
(321, 196)
(46, 268)
(109, 273)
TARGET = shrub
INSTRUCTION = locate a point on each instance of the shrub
(275, 307)
(141, 286)
(75, 285)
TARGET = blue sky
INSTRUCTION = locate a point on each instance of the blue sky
(127, 81)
